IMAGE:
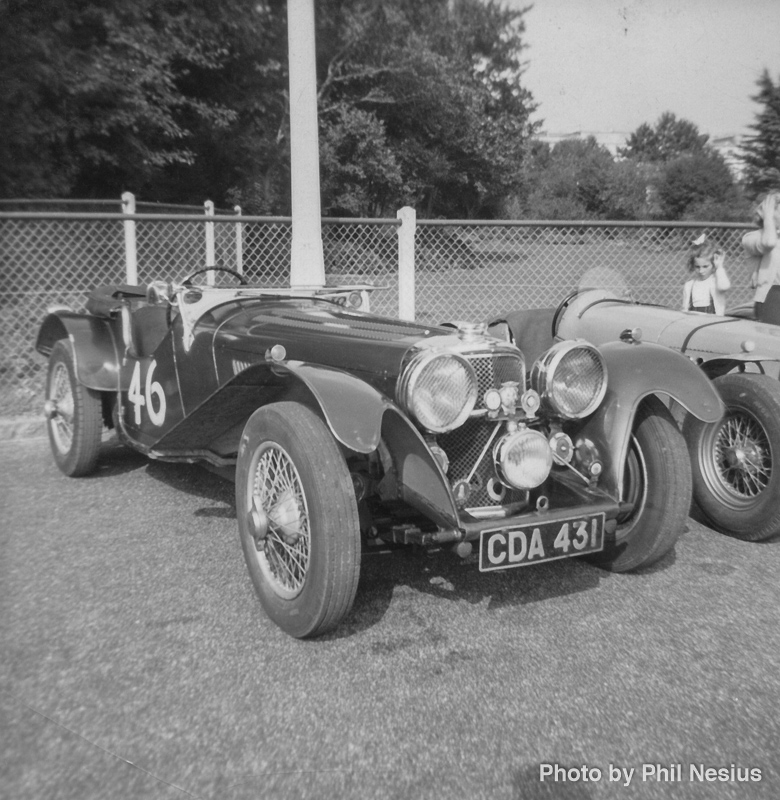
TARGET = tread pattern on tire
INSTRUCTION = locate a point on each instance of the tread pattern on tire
(658, 533)
(335, 501)
(87, 418)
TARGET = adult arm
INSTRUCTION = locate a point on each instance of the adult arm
(721, 277)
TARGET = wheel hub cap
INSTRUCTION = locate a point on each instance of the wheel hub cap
(744, 459)
(278, 521)
(258, 523)
(286, 517)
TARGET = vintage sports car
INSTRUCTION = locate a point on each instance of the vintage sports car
(345, 431)
(736, 461)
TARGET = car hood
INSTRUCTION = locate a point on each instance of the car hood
(599, 317)
(316, 331)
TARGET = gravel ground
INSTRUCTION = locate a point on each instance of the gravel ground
(138, 664)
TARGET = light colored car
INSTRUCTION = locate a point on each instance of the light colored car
(736, 461)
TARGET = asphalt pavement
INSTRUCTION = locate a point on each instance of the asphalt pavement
(137, 663)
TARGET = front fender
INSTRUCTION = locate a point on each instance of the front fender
(359, 416)
(636, 371)
(352, 408)
(94, 347)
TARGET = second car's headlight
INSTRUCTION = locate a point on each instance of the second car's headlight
(438, 390)
(571, 378)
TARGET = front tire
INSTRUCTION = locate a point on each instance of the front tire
(74, 414)
(657, 482)
(297, 519)
(736, 478)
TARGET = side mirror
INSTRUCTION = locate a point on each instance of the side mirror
(159, 293)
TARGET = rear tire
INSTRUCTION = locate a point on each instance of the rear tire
(658, 482)
(735, 462)
(297, 519)
(74, 414)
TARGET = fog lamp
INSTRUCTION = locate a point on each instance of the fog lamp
(523, 459)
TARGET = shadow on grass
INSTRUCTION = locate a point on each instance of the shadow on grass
(444, 575)
(200, 483)
(440, 574)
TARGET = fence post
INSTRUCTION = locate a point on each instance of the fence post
(406, 232)
(131, 251)
(209, 210)
(239, 243)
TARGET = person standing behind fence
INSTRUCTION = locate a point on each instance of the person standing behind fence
(705, 290)
(762, 247)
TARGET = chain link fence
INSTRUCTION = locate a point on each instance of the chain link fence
(478, 270)
(460, 270)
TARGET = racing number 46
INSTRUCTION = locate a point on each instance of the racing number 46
(152, 390)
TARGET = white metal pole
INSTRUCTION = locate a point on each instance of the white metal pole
(208, 207)
(239, 243)
(307, 268)
(406, 233)
(131, 251)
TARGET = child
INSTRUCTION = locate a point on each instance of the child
(705, 291)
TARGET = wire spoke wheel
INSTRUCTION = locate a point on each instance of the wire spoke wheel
(283, 554)
(62, 396)
(743, 456)
(297, 519)
(735, 476)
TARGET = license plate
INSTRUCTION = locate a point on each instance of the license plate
(541, 541)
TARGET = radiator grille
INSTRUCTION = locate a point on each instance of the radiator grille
(464, 445)
(493, 369)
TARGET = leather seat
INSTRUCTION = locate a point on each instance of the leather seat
(149, 324)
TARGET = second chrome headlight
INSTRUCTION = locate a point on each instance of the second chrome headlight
(439, 390)
(571, 378)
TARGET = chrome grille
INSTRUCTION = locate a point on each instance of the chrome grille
(493, 369)
(464, 445)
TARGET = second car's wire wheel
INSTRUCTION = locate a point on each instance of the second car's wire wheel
(742, 455)
(284, 551)
(61, 417)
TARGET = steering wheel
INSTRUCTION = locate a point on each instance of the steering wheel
(241, 279)
(562, 306)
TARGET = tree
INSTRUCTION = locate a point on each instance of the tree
(685, 177)
(443, 81)
(579, 179)
(91, 91)
(698, 186)
(670, 138)
(361, 176)
(419, 103)
(761, 151)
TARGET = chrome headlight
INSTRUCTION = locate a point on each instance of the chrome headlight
(523, 459)
(571, 378)
(439, 390)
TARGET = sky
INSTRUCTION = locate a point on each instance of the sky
(610, 65)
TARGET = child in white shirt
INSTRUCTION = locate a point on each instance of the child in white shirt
(705, 290)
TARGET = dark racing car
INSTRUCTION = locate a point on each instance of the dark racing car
(346, 431)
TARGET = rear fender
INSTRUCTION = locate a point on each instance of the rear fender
(94, 347)
(636, 371)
